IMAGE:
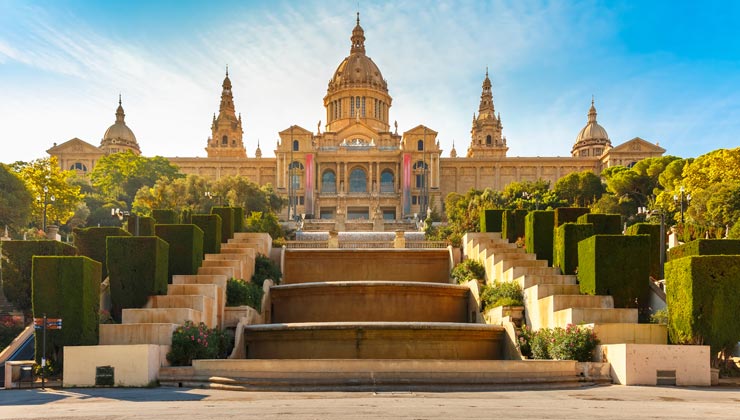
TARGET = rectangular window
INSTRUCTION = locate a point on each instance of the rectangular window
(351, 107)
(420, 181)
(339, 112)
(363, 106)
(300, 200)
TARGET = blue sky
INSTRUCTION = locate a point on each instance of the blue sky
(666, 71)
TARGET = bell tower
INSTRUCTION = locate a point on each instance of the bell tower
(226, 129)
(486, 138)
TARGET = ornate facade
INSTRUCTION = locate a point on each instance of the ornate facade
(361, 167)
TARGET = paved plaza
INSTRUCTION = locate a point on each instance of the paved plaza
(604, 402)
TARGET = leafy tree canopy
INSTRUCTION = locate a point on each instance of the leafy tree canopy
(15, 200)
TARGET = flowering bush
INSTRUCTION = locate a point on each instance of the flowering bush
(239, 292)
(468, 270)
(192, 341)
(501, 294)
(571, 343)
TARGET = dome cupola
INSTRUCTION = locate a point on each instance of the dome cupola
(119, 137)
(592, 140)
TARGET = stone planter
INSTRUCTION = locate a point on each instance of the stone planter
(496, 315)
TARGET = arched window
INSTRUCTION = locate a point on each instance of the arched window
(295, 145)
(357, 181)
(420, 145)
(387, 183)
(328, 182)
(295, 171)
(78, 167)
(420, 165)
(225, 140)
(488, 140)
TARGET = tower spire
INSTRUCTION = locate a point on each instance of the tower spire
(120, 115)
(358, 38)
(592, 111)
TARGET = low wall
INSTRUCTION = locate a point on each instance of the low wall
(319, 265)
(656, 364)
(134, 365)
(368, 302)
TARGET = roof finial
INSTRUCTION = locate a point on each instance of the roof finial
(358, 17)
(486, 71)
(592, 99)
(119, 99)
(227, 70)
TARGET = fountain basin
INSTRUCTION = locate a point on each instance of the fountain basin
(374, 340)
(375, 301)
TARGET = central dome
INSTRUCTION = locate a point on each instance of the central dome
(592, 130)
(119, 137)
(357, 69)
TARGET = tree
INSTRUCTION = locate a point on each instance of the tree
(240, 191)
(579, 189)
(45, 172)
(15, 200)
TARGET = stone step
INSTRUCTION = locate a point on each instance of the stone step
(247, 262)
(161, 315)
(530, 280)
(209, 290)
(222, 271)
(204, 304)
(567, 316)
(540, 291)
(236, 264)
(500, 268)
(516, 272)
(138, 333)
(558, 302)
(623, 333)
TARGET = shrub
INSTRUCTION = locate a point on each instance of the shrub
(538, 233)
(501, 294)
(565, 215)
(706, 247)
(266, 222)
(703, 298)
(468, 270)
(524, 340)
(90, 242)
(604, 224)
(227, 222)
(16, 265)
(615, 265)
(512, 224)
(190, 342)
(210, 224)
(571, 343)
(67, 288)
(137, 268)
(240, 292)
(186, 216)
(265, 268)
(146, 225)
(186, 247)
(660, 316)
(565, 246)
(491, 220)
(165, 216)
(653, 231)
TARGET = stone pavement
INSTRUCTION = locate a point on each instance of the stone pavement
(608, 402)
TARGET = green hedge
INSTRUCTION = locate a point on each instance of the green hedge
(238, 219)
(137, 267)
(565, 247)
(512, 224)
(186, 247)
(538, 233)
(703, 298)
(210, 224)
(67, 288)
(491, 220)
(604, 224)
(653, 231)
(616, 265)
(240, 292)
(90, 242)
(186, 216)
(146, 225)
(165, 217)
(16, 266)
(227, 222)
(265, 268)
(565, 215)
(705, 247)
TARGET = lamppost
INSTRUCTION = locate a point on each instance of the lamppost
(46, 199)
(124, 214)
(650, 213)
(680, 199)
(209, 195)
(535, 195)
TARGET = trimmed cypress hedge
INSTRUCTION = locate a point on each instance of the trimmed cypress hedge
(565, 215)
(604, 224)
(538, 233)
(653, 231)
(16, 266)
(491, 220)
(238, 219)
(512, 224)
(615, 265)
(137, 267)
(703, 298)
(210, 224)
(186, 247)
(565, 251)
(67, 288)
(90, 242)
(165, 217)
(227, 222)
(705, 247)
(186, 217)
(146, 226)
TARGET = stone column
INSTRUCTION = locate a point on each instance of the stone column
(400, 240)
(333, 239)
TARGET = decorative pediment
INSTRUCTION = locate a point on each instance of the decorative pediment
(295, 130)
(637, 145)
(74, 145)
(419, 130)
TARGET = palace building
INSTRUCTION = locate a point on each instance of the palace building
(360, 166)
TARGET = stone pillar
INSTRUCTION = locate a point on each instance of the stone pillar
(333, 239)
(400, 240)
